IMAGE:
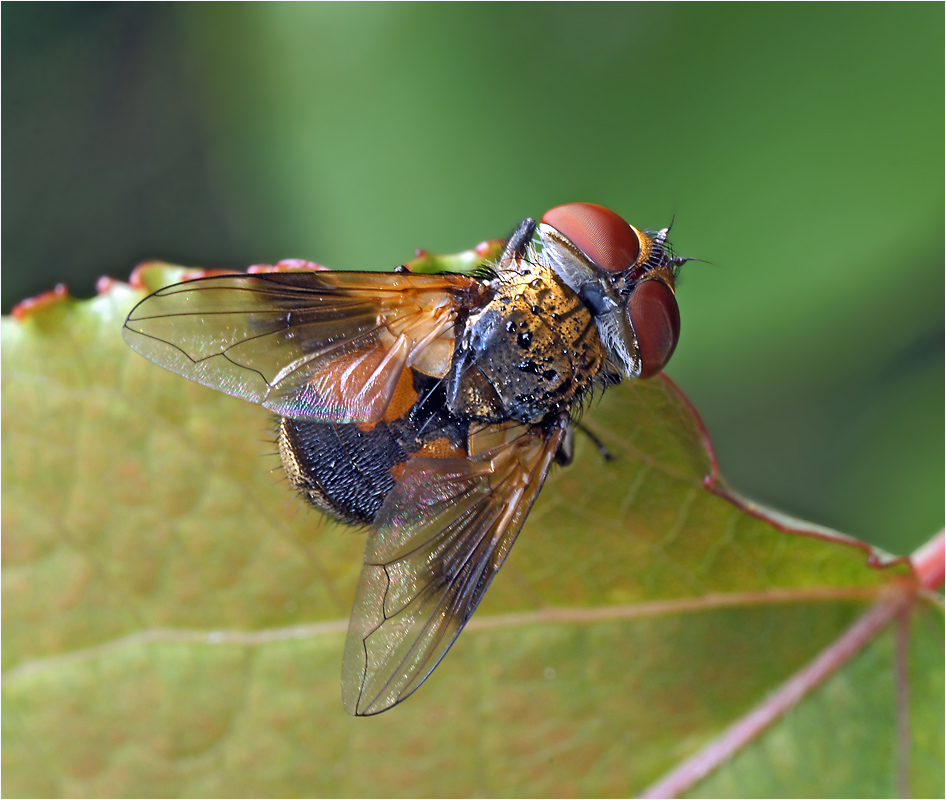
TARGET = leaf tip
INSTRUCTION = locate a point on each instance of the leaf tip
(105, 284)
(149, 276)
(41, 302)
(138, 277)
(488, 246)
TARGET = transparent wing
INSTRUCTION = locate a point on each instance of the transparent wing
(327, 346)
(438, 540)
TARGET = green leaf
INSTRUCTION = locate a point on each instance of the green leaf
(174, 619)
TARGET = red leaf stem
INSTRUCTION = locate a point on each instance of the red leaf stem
(789, 694)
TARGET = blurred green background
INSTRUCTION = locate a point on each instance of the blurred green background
(800, 148)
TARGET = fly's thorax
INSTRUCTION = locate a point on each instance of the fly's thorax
(531, 351)
(598, 293)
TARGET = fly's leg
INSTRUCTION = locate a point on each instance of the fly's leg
(606, 454)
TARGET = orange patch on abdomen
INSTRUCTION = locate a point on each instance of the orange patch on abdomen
(402, 401)
(441, 448)
(404, 397)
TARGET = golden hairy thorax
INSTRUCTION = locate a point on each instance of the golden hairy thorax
(530, 352)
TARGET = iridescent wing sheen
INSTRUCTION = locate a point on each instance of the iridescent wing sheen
(438, 540)
(326, 346)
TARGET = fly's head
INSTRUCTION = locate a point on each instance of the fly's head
(625, 277)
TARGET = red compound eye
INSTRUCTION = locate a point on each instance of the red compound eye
(599, 233)
(655, 318)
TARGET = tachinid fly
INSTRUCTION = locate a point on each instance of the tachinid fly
(428, 407)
